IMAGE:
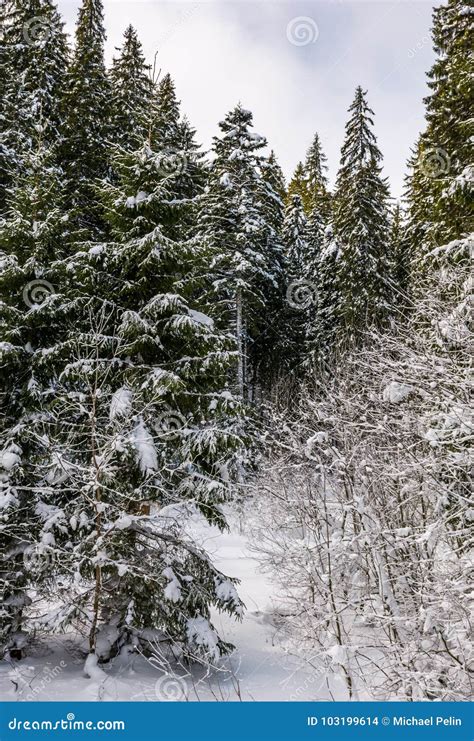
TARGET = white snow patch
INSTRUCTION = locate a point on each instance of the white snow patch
(201, 318)
(144, 445)
(396, 392)
(121, 403)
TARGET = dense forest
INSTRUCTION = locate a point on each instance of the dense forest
(182, 329)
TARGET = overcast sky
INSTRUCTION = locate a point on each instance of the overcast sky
(294, 64)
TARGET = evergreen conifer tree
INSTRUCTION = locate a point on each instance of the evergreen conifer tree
(132, 90)
(141, 431)
(440, 184)
(33, 65)
(30, 238)
(269, 347)
(324, 323)
(298, 186)
(180, 158)
(233, 226)
(87, 124)
(317, 182)
(300, 293)
(361, 225)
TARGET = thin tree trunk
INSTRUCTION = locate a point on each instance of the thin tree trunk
(240, 344)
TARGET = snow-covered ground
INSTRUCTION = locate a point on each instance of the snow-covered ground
(259, 669)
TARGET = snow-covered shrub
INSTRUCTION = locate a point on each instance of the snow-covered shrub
(368, 516)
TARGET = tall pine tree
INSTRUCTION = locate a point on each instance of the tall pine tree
(243, 267)
(361, 226)
(317, 182)
(141, 430)
(132, 90)
(440, 184)
(35, 55)
(33, 65)
(298, 186)
(87, 123)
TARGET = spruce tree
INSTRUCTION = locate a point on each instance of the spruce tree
(440, 185)
(86, 123)
(294, 237)
(419, 208)
(180, 159)
(141, 431)
(132, 90)
(316, 226)
(324, 323)
(34, 59)
(400, 247)
(30, 238)
(269, 347)
(33, 65)
(300, 292)
(298, 186)
(361, 226)
(315, 169)
(234, 231)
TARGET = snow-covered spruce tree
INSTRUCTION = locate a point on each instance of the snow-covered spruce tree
(316, 226)
(324, 321)
(294, 237)
(86, 125)
(269, 347)
(315, 169)
(132, 90)
(181, 159)
(298, 186)
(400, 247)
(30, 238)
(300, 292)
(141, 432)
(234, 231)
(33, 68)
(364, 269)
(440, 184)
(368, 525)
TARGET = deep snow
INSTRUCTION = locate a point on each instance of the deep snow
(259, 669)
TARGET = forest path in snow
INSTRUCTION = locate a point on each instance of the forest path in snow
(259, 669)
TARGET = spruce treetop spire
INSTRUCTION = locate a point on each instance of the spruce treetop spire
(361, 224)
(315, 169)
(131, 92)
